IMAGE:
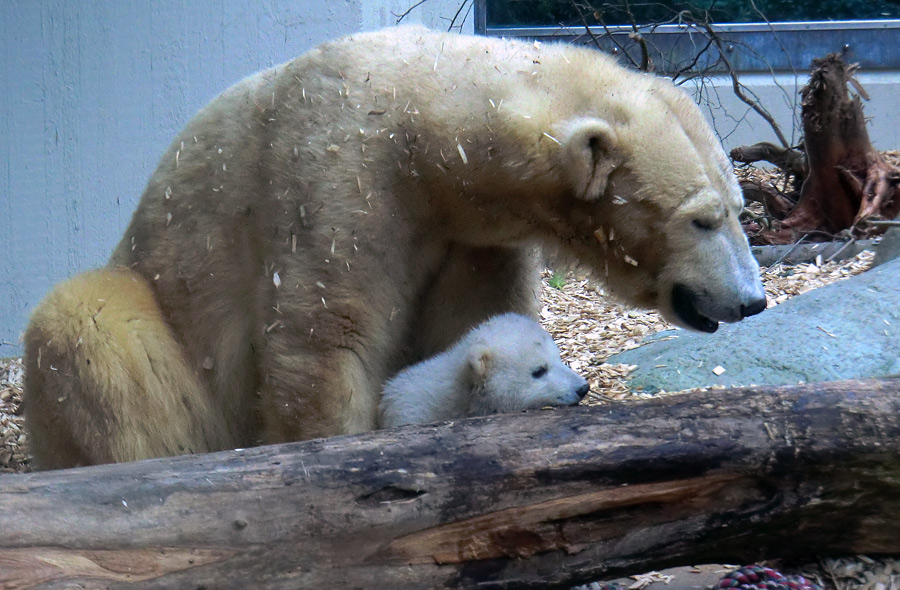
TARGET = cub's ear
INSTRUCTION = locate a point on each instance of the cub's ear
(590, 152)
(480, 361)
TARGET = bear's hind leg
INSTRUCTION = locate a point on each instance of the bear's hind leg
(106, 380)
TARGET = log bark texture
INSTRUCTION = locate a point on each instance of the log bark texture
(541, 500)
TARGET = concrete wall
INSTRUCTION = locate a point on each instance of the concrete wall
(92, 92)
(737, 125)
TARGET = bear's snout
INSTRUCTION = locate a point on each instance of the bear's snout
(754, 307)
(685, 305)
(703, 313)
(583, 391)
(573, 400)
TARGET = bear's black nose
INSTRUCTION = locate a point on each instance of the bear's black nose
(753, 308)
(583, 390)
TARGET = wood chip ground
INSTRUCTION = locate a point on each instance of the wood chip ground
(588, 327)
(586, 324)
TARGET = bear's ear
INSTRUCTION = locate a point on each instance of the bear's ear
(480, 360)
(591, 153)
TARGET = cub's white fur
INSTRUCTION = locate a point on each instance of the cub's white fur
(506, 364)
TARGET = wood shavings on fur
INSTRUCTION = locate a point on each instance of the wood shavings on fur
(587, 325)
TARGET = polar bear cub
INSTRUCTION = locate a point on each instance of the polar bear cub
(506, 364)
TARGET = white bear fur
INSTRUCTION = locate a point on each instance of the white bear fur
(507, 364)
(326, 222)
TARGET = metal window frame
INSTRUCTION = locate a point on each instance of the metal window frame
(873, 44)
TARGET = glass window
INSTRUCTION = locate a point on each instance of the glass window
(530, 13)
(755, 35)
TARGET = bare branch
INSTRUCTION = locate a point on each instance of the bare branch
(587, 28)
(693, 20)
(453, 24)
(693, 64)
(637, 37)
(400, 17)
(739, 88)
(790, 160)
(775, 36)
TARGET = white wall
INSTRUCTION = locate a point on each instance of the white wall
(91, 93)
(780, 94)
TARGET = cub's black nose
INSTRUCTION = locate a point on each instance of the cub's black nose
(753, 308)
(583, 390)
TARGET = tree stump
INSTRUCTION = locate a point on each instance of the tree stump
(844, 181)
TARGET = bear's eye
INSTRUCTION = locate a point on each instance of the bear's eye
(703, 224)
(539, 372)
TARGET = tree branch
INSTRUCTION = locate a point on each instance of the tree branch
(739, 88)
(403, 15)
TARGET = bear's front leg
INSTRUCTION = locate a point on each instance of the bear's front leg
(472, 285)
(318, 378)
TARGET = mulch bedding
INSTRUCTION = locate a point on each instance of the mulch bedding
(588, 326)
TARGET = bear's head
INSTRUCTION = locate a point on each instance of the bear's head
(652, 205)
(615, 168)
(513, 365)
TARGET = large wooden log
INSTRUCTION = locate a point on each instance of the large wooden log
(541, 500)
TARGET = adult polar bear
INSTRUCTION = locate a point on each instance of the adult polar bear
(326, 222)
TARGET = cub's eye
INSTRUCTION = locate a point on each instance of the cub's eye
(703, 224)
(539, 372)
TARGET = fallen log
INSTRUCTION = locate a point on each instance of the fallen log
(792, 161)
(541, 500)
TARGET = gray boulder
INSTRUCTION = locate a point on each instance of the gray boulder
(847, 330)
(889, 246)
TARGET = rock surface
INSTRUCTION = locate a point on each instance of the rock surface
(848, 330)
(889, 247)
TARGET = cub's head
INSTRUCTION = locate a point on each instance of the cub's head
(652, 205)
(514, 365)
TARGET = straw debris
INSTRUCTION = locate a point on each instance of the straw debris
(584, 321)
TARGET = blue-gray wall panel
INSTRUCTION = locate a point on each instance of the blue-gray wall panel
(92, 93)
